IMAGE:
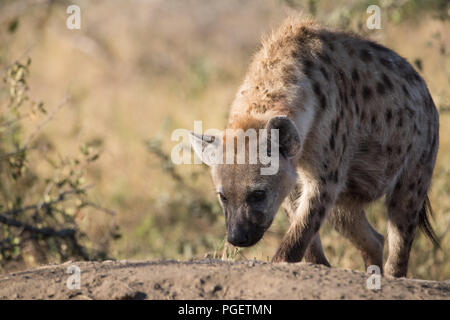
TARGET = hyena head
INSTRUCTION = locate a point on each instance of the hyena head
(251, 191)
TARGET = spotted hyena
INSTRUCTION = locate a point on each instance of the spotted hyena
(356, 122)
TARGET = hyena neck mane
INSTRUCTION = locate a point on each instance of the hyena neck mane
(278, 81)
(246, 122)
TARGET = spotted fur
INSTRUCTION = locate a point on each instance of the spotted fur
(368, 128)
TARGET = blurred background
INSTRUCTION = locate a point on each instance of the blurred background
(86, 117)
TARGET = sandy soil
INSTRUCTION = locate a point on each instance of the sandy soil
(210, 279)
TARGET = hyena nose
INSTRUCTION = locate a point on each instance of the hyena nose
(237, 238)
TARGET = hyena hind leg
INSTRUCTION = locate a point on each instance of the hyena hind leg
(314, 253)
(406, 211)
(353, 225)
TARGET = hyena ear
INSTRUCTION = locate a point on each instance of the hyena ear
(205, 146)
(289, 138)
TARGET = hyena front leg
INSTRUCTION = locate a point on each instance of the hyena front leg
(314, 253)
(309, 216)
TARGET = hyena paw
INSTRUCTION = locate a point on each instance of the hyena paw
(285, 256)
(280, 256)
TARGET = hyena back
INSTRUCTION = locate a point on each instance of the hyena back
(356, 122)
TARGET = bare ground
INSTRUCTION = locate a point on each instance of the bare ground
(210, 279)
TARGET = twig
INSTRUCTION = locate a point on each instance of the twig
(25, 147)
(46, 231)
(11, 122)
(61, 197)
(49, 117)
(98, 207)
(5, 68)
(12, 153)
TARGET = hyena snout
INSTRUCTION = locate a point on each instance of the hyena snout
(244, 234)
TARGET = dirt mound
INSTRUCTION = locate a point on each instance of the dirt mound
(209, 279)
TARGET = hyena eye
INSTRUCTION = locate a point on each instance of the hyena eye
(256, 196)
(222, 197)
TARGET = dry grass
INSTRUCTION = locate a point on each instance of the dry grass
(140, 69)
